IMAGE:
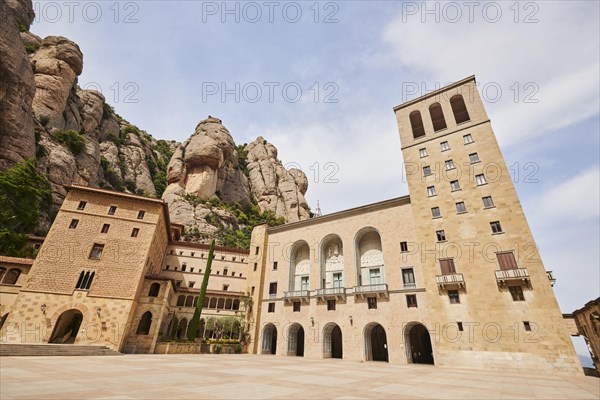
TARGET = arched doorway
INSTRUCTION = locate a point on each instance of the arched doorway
(182, 328)
(418, 340)
(296, 340)
(376, 348)
(269, 339)
(67, 326)
(332, 341)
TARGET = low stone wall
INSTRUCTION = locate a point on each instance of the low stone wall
(176, 348)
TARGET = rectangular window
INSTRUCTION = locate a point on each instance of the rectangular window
(447, 266)
(271, 308)
(184, 267)
(453, 296)
(192, 254)
(225, 288)
(225, 271)
(460, 207)
(496, 227)
(435, 212)
(105, 228)
(178, 283)
(468, 138)
(372, 303)
(411, 301)
(375, 276)
(507, 260)
(422, 153)
(255, 265)
(408, 277)
(191, 284)
(454, 186)
(297, 306)
(441, 235)
(141, 214)
(191, 269)
(403, 247)
(112, 210)
(96, 252)
(337, 280)
(449, 165)
(252, 290)
(527, 326)
(460, 326)
(474, 158)
(487, 202)
(275, 266)
(135, 232)
(431, 191)
(304, 283)
(426, 171)
(168, 267)
(82, 205)
(273, 289)
(256, 251)
(181, 253)
(480, 179)
(445, 146)
(73, 223)
(330, 305)
(517, 293)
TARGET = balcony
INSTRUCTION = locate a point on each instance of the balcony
(302, 295)
(408, 286)
(450, 280)
(551, 277)
(331, 293)
(380, 289)
(504, 276)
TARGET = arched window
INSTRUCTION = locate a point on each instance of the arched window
(459, 109)
(11, 276)
(144, 325)
(213, 303)
(228, 303)
(181, 301)
(195, 302)
(221, 304)
(416, 123)
(154, 289)
(236, 304)
(205, 302)
(2, 272)
(437, 117)
(89, 282)
(189, 301)
(300, 266)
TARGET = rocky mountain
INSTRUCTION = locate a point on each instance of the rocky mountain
(214, 187)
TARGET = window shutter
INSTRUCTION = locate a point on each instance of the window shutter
(507, 261)
(447, 267)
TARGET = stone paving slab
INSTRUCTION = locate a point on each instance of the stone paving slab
(210, 376)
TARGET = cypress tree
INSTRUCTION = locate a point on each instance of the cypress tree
(193, 327)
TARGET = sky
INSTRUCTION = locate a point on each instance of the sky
(319, 80)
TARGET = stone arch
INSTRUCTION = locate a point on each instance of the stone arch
(417, 343)
(459, 108)
(3, 320)
(2, 272)
(375, 339)
(228, 304)
(331, 262)
(295, 340)
(269, 339)
(182, 328)
(154, 289)
(181, 301)
(236, 304)
(221, 304)
(370, 265)
(189, 301)
(332, 341)
(437, 117)
(300, 266)
(144, 324)
(67, 327)
(416, 123)
(213, 302)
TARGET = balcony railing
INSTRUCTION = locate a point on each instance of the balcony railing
(519, 274)
(336, 291)
(450, 279)
(410, 286)
(296, 294)
(551, 277)
(381, 289)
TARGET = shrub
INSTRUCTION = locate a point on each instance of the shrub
(217, 348)
(32, 48)
(237, 348)
(72, 139)
(44, 119)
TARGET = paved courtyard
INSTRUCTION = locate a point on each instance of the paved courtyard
(265, 377)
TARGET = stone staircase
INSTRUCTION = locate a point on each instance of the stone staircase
(7, 350)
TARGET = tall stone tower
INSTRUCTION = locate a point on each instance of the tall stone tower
(486, 285)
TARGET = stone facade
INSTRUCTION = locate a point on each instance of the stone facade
(587, 320)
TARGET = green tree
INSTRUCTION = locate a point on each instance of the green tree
(24, 192)
(193, 328)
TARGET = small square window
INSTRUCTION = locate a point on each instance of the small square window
(517, 293)
(192, 254)
(426, 171)
(330, 305)
(449, 165)
(488, 202)
(372, 303)
(273, 289)
(474, 158)
(225, 288)
(191, 284)
(411, 301)
(225, 271)
(496, 227)
(275, 266)
(191, 269)
(527, 326)
(297, 306)
(435, 212)
(423, 153)
(441, 236)
(96, 252)
(453, 296)
(82, 205)
(480, 179)
(178, 283)
(73, 223)
(184, 266)
(403, 247)
(141, 214)
(454, 186)
(445, 146)
(112, 210)
(232, 273)
(271, 308)
(468, 138)
(180, 253)
(431, 191)
(105, 228)
(135, 232)
(460, 326)
(460, 207)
